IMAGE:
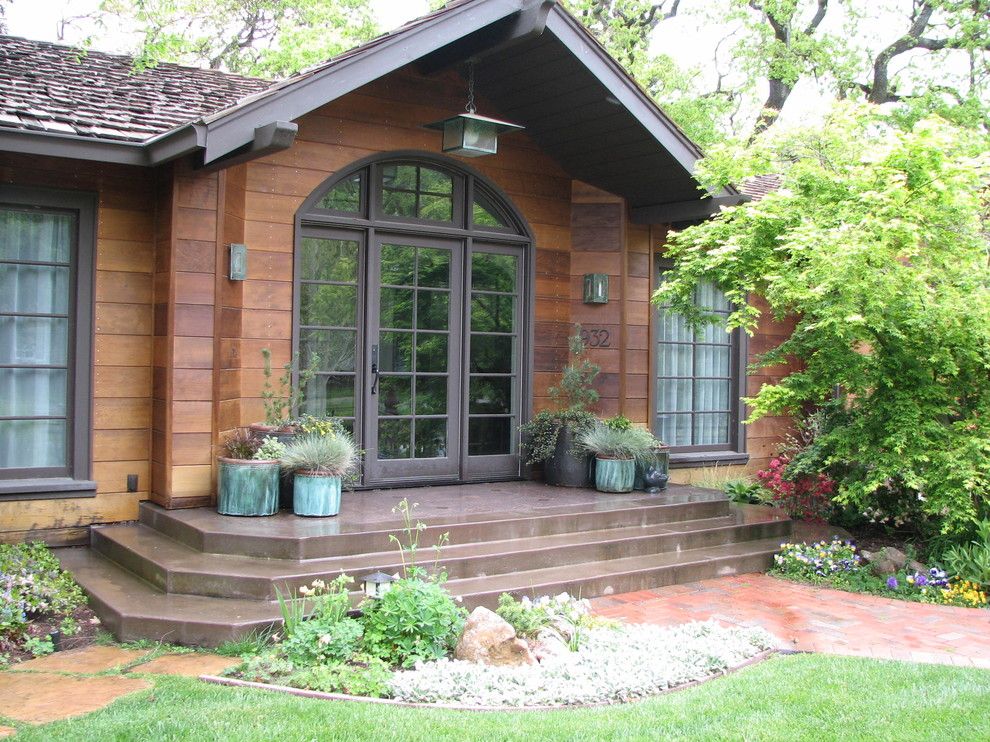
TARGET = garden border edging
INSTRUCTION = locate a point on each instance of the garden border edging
(235, 683)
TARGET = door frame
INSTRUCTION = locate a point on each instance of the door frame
(366, 224)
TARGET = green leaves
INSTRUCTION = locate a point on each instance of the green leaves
(876, 245)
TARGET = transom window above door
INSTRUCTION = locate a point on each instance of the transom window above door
(410, 191)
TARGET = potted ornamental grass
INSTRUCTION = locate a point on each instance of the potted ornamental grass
(247, 477)
(319, 463)
(550, 436)
(615, 451)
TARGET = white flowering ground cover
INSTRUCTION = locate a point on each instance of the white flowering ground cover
(611, 666)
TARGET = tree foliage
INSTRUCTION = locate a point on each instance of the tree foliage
(877, 243)
(265, 38)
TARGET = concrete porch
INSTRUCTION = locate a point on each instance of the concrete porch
(195, 577)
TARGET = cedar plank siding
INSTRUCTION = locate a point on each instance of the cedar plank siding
(122, 348)
(178, 345)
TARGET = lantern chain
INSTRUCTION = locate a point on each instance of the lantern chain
(471, 108)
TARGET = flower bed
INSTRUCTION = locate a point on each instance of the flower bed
(837, 564)
(612, 665)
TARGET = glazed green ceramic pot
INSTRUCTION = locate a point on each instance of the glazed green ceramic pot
(315, 494)
(247, 487)
(614, 475)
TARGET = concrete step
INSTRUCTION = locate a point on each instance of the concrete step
(132, 608)
(176, 568)
(285, 536)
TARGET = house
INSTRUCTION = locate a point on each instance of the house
(129, 344)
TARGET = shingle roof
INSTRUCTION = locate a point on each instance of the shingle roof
(48, 87)
(759, 186)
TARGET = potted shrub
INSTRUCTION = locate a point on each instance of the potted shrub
(615, 453)
(282, 401)
(319, 463)
(247, 480)
(551, 435)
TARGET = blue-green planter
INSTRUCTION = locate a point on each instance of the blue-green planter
(247, 487)
(614, 475)
(315, 494)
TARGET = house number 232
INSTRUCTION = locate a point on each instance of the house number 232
(596, 337)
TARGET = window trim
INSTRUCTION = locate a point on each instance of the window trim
(75, 480)
(733, 452)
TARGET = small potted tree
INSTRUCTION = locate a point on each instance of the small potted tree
(615, 451)
(319, 463)
(550, 436)
(281, 402)
(247, 478)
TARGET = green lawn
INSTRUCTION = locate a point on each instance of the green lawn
(801, 697)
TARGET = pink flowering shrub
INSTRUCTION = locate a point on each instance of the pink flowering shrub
(807, 497)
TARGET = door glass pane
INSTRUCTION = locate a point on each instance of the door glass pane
(32, 444)
(431, 395)
(490, 436)
(397, 308)
(435, 181)
(436, 208)
(492, 354)
(332, 396)
(399, 176)
(431, 438)
(398, 265)
(492, 313)
(494, 272)
(431, 352)
(394, 439)
(490, 394)
(674, 360)
(395, 351)
(328, 305)
(395, 395)
(327, 350)
(399, 203)
(329, 260)
(433, 269)
(433, 309)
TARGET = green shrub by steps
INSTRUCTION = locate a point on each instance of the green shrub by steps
(415, 620)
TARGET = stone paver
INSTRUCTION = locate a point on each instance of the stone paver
(41, 697)
(188, 665)
(809, 618)
(84, 660)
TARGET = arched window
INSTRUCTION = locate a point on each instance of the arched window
(411, 303)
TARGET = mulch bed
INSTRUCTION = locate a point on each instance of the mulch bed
(43, 626)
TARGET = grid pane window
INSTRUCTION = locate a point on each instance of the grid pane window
(695, 375)
(328, 313)
(492, 360)
(36, 265)
(417, 192)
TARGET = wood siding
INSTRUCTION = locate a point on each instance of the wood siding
(122, 348)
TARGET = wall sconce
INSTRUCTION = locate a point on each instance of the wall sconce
(238, 262)
(596, 288)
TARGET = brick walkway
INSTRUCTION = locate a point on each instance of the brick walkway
(816, 619)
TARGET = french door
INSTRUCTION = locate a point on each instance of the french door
(412, 419)
(417, 341)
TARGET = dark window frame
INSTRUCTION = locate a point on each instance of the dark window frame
(73, 480)
(733, 452)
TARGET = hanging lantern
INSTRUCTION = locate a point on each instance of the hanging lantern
(469, 134)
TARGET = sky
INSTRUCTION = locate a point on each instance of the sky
(689, 38)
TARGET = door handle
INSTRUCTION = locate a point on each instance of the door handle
(374, 369)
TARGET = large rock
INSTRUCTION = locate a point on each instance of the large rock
(550, 647)
(886, 561)
(490, 640)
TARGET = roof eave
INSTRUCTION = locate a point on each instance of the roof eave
(49, 144)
